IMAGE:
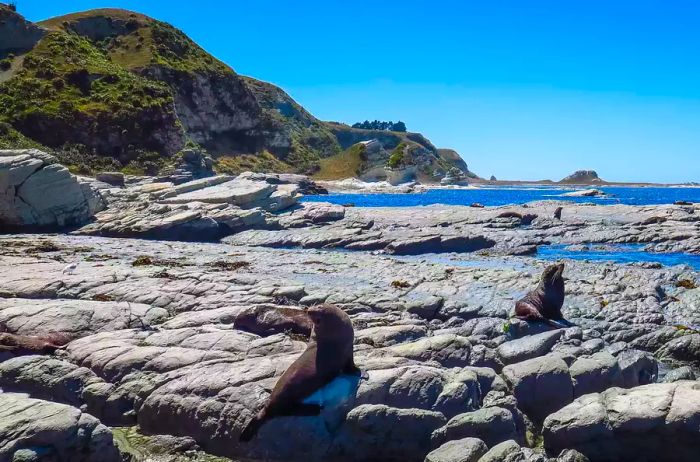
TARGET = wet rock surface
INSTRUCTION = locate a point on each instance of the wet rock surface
(187, 339)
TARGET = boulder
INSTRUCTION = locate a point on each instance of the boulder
(447, 349)
(464, 450)
(36, 191)
(571, 455)
(528, 347)
(502, 452)
(637, 367)
(493, 425)
(111, 178)
(378, 432)
(681, 373)
(541, 385)
(322, 212)
(585, 193)
(595, 373)
(439, 244)
(651, 422)
(682, 349)
(37, 430)
(54, 379)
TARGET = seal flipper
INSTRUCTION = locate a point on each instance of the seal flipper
(252, 428)
(351, 369)
(296, 409)
(300, 409)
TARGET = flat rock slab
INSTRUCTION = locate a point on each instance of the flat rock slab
(237, 192)
(652, 422)
(33, 429)
(75, 318)
(528, 347)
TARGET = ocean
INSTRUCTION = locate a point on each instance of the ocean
(493, 196)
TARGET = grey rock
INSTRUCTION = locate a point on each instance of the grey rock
(595, 373)
(571, 455)
(111, 178)
(323, 212)
(683, 349)
(492, 425)
(383, 433)
(630, 424)
(681, 373)
(637, 367)
(541, 385)
(447, 349)
(42, 430)
(462, 450)
(505, 451)
(37, 192)
(60, 381)
(528, 347)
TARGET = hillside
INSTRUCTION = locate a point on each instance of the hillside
(113, 89)
(407, 156)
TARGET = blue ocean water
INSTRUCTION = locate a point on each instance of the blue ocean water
(619, 253)
(513, 195)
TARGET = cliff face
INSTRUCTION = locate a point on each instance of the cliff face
(19, 35)
(118, 89)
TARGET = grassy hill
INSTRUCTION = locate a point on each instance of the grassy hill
(346, 164)
(116, 84)
(115, 89)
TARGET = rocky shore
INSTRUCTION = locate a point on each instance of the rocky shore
(181, 305)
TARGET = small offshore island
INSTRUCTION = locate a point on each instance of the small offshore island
(164, 228)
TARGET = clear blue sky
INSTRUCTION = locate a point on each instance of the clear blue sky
(522, 89)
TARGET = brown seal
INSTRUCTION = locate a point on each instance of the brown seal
(545, 302)
(328, 354)
(557, 213)
(21, 345)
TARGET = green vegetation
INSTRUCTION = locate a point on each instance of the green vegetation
(12, 139)
(131, 441)
(263, 163)
(69, 91)
(111, 89)
(311, 140)
(346, 164)
(138, 41)
(397, 156)
(381, 125)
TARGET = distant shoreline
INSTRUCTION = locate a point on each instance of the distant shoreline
(355, 186)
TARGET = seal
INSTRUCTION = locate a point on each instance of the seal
(328, 354)
(545, 302)
(21, 345)
(557, 213)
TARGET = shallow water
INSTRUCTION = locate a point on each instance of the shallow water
(627, 253)
(512, 195)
